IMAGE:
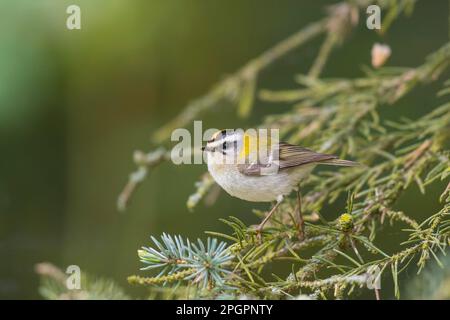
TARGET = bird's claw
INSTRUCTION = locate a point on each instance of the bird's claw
(259, 234)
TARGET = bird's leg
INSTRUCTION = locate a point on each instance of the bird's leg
(271, 212)
(301, 222)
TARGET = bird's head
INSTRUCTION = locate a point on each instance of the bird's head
(223, 147)
(236, 146)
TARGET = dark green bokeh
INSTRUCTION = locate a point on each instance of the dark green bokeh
(74, 105)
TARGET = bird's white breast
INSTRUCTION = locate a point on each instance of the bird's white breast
(257, 188)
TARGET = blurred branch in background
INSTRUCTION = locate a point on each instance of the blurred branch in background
(234, 87)
(144, 162)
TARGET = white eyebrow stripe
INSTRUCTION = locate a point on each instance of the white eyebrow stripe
(214, 144)
(231, 138)
(217, 143)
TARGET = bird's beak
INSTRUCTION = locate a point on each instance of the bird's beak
(206, 148)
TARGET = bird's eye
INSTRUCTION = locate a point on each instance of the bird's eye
(224, 146)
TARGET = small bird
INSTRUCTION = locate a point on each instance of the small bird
(238, 165)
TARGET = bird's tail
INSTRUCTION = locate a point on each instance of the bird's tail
(340, 162)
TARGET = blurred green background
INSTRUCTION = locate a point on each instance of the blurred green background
(74, 105)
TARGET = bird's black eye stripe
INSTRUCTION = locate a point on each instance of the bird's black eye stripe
(224, 147)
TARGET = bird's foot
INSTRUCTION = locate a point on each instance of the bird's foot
(301, 222)
(301, 232)
(259, 230)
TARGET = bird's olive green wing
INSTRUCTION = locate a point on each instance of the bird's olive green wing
(288, 156)
(257, 169)
(293, 156)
